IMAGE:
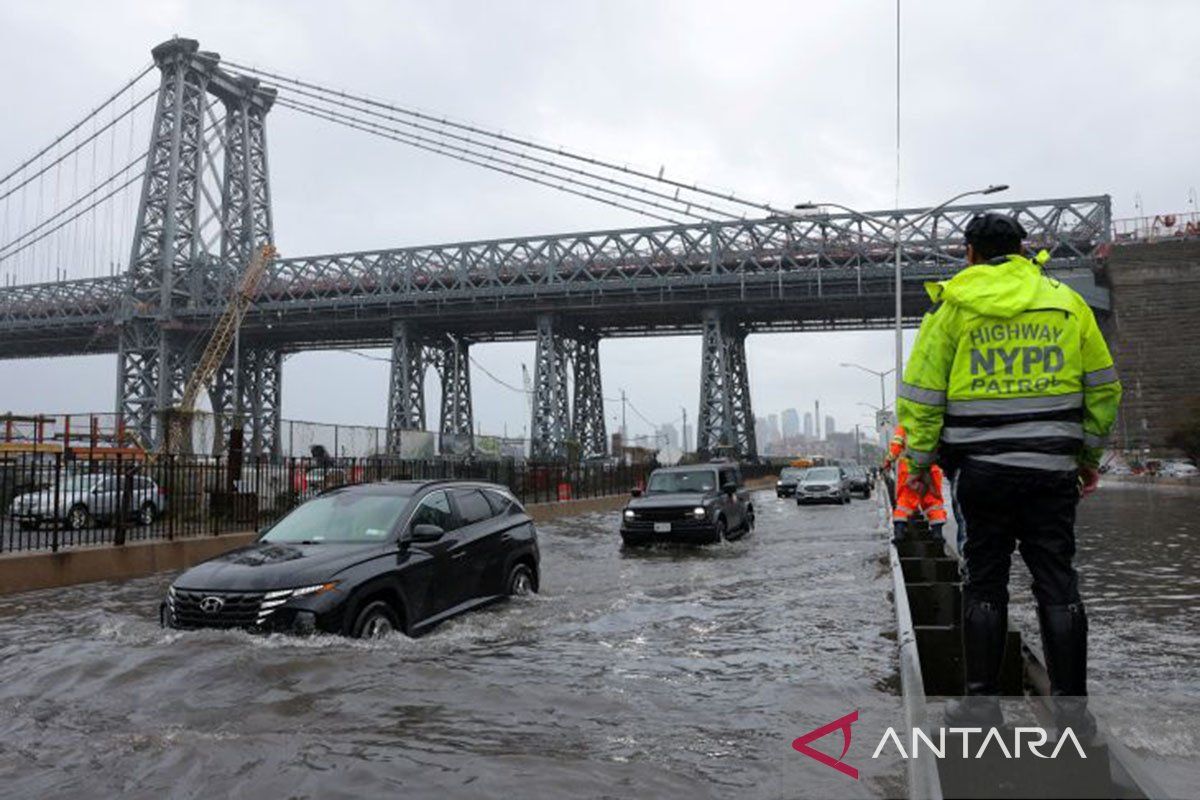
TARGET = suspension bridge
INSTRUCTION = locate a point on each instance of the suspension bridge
(127, 234)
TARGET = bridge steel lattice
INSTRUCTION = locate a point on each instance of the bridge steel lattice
(206, 204)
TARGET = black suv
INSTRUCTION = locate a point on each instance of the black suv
(367, 560)
(698, 503)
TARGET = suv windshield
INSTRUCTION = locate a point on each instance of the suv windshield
(340, 517)
(694, 480)
(822, 474)
(791, 474)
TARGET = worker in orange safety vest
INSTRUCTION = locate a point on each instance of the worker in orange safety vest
(925, 496)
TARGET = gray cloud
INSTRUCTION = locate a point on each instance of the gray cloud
(785, 101)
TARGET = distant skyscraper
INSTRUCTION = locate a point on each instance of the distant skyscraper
(772, 428)
(829, 426)
(808, 425)
(791, 423)
(761, 434)
(669, 435)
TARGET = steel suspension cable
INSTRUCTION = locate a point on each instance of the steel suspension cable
(97, 188)
(442, 132)
(128, 84)
(79, 146)
(484, 163)
(559, 151)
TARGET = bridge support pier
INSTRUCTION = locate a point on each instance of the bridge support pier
(587, 416)
(725, 425)
(260, 383)
(406, 393)
(551, 406)
(451, 357)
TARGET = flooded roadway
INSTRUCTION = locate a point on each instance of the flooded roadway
(661, 673)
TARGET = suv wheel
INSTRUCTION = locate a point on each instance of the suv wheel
(520, 581)
(375, 621)
(721, 528)
(78, 517)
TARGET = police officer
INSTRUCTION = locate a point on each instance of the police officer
(1010, 386)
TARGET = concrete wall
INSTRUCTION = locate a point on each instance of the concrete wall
(1154, 332)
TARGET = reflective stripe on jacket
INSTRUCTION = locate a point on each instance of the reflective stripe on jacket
(1009, 368)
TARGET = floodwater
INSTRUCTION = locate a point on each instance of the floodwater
(661, 673)
(664, 673)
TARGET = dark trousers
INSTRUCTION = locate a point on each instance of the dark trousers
(1032, 510)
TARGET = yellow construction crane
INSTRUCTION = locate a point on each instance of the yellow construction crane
(217, 348)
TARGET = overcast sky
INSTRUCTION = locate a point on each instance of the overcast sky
(785, 101)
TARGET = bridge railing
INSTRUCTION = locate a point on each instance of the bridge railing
(52, 504)
(1161, 227)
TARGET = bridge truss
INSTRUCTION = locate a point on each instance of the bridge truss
(205, 205)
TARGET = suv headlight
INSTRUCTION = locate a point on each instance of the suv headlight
(630, 514)
(699, 512)
(273, 600)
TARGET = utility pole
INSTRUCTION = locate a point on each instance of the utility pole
(857, 444)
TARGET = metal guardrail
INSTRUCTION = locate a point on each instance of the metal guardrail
(1158, 228)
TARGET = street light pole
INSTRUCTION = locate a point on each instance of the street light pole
(898, 226)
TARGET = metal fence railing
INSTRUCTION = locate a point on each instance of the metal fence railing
(51, 502)
(1160, 227)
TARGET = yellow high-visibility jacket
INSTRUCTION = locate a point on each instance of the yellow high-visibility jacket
(1009, 368)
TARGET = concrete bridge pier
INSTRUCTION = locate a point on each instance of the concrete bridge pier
(725, 424)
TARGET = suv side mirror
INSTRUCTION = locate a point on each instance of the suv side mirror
(729, 487)
(635, 492)
(425, 532)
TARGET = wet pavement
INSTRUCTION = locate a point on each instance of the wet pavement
(658, 673)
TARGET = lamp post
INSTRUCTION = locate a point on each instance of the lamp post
(881, 375)
(898, 226)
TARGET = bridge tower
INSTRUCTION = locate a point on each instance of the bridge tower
(556, 425)
(170, 267)
(726, 422)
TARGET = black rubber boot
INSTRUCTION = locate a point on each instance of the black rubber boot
(935, 531)
(1064, 644)
(899, 528)
(985, 627)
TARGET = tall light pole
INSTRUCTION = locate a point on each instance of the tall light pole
(881, 375)
(898, 226)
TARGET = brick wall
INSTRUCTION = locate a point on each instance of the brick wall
(1154, 333)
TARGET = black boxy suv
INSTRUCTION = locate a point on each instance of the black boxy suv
(367, 560)
(695, 504)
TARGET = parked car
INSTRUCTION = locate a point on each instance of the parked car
(366, 560)
(85, 499)
(859, 480)
(823, 485)
(788, 478)
(1179, 469)
(697, 504)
